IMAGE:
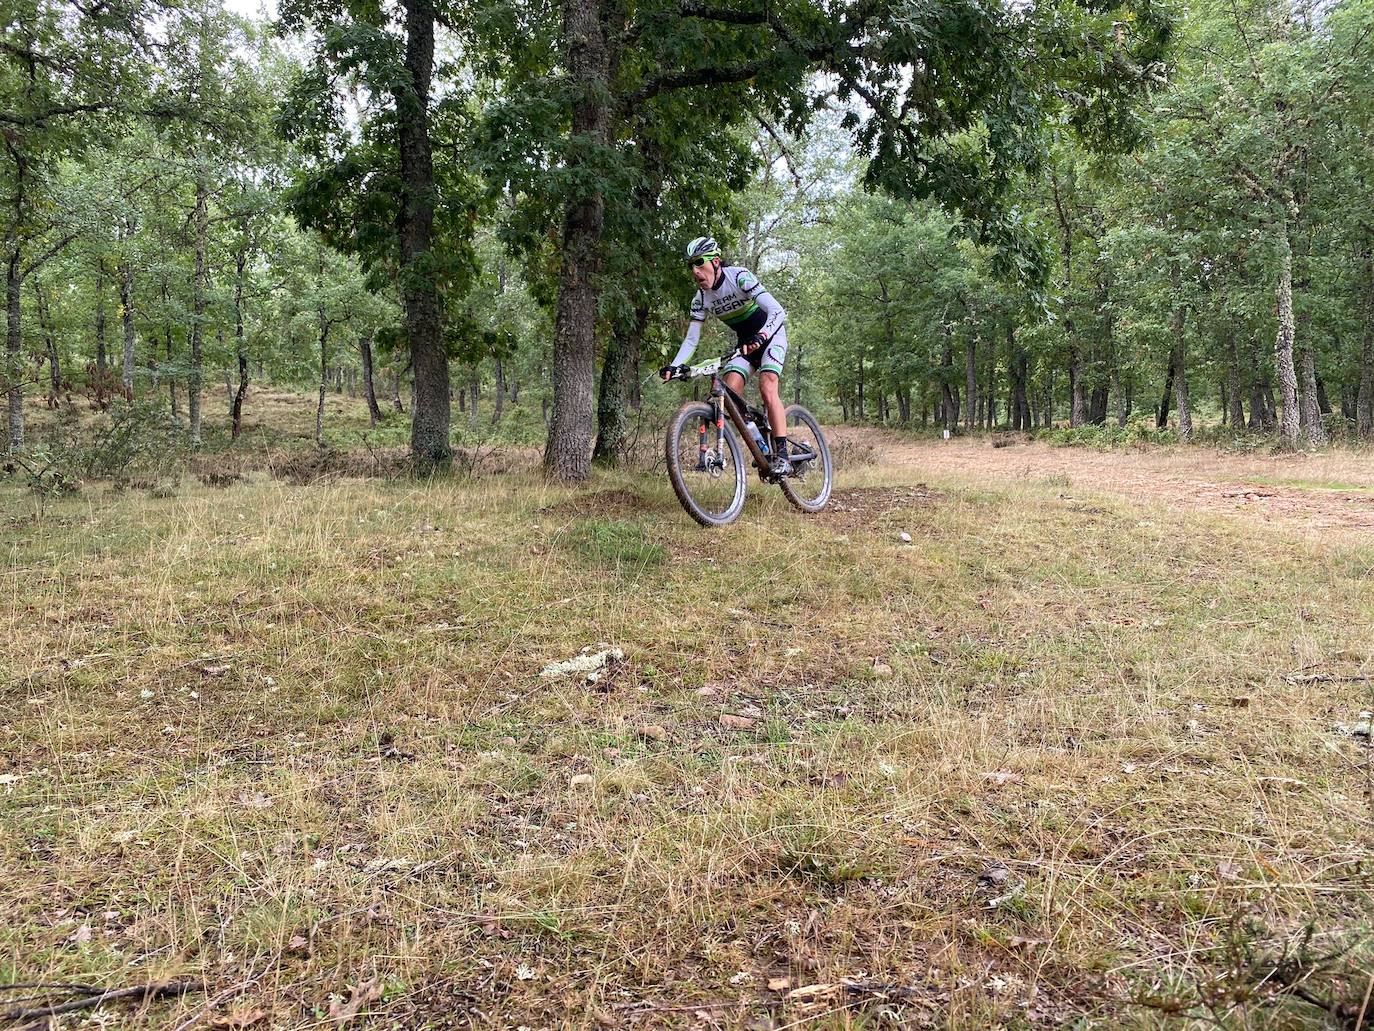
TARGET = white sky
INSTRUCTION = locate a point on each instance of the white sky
(258, 9)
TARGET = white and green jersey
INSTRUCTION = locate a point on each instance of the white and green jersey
(739, 300)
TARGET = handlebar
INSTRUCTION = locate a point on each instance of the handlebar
(682, 372)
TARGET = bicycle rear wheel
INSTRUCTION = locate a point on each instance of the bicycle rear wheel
(705, 465)
(813, 475)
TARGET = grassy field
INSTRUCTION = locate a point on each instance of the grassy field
(1068, 758)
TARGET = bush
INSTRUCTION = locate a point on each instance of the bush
(1106, 437)
(135, 440)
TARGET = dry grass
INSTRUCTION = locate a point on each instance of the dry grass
(1033, 768)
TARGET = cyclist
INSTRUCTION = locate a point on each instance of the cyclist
(736, 297)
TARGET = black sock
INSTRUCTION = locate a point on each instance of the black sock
(780, 446)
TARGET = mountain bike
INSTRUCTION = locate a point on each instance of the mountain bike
(706, 456)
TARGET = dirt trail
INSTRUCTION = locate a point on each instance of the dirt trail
(1327, 490)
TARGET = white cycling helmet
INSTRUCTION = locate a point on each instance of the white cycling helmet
(703, 247)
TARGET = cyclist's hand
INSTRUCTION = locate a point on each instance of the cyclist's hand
(756, 342)
(667, 372)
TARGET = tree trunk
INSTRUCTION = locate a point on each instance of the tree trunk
(567, 456)
(613, 423)
(324, 383)
(236, 407)
(971, 382)
(500, 392)
(472, 401)
(1126, 402)
(949, 394)
(102, 358)
(374, 411)
(14, 277)
(859, 395)
(1179, 361)
(1076, 405)
(1162, 418)
(1364, 406)
(1283, 342)
(126, 319)
(1017, 368)
(198, 305)
(1311, 400)
(171, 379)
(14, 350)
(49, 345)
(430, 413)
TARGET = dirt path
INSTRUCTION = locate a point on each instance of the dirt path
(1333, 489)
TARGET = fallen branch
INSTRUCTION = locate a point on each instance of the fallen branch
(1332, 678)
(143, 991)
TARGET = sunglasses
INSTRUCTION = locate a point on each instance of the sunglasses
(702, 260)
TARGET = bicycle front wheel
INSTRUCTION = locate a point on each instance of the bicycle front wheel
(813, 475)
(705, 465)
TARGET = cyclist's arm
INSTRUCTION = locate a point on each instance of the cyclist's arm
(776, 314)
(749, 283)
(693, 337)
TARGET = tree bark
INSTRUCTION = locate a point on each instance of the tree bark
(949, 394)
(859, 391)
(567, 456)
(126, 318)
(102, 358)
(1179, 360)
(1162, 418)
(500, 393)
(374, 411)
(613, 423)
(49, 345)
(431, 411)
(236, 407)
(1283, 342)
(324, 383)
(971, 382)
(198, 305)
(14, 349)
(1364, 401)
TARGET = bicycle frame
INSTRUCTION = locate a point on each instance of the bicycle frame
(723, 399)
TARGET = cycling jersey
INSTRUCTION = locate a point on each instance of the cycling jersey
(739, 300)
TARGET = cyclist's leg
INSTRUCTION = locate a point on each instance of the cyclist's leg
(770, 375)
(734, 380)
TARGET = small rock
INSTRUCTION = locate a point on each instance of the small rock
(779, 984)
(653, 732)
(994, 873)
(732, 722)
(1361, 729)
(905, 538)
(881, 670)
(1000, 778)
(581, 780)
